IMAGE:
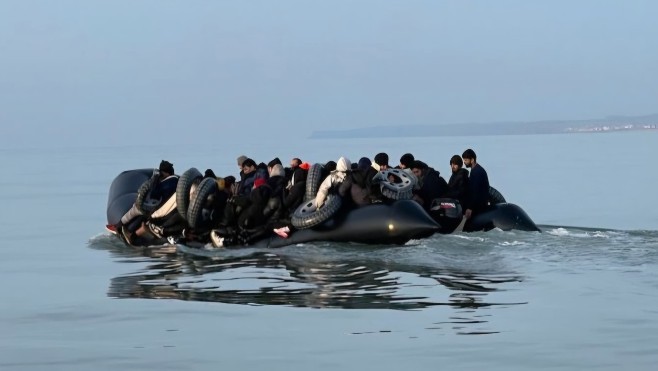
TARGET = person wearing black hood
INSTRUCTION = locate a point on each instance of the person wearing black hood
(381, 162)
(458, 183)
(406, 161)
(164, 184)
(432, 184)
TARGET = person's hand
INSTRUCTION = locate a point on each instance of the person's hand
(468, 213)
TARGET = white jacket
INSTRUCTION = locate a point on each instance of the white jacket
(335, 178)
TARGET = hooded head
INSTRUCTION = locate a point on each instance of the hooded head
(381, 159)
(166, 167)
(274, 162)
(407, 160)
(364, 163)
(209, 174)
(343, 164)
(331, 166)
(277, 170)
(229, 181)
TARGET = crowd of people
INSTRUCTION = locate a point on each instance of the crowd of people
(262, 200)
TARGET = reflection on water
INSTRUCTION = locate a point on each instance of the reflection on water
(314, 277)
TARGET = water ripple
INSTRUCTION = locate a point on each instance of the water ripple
(467, 275)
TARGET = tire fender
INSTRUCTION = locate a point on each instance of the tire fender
(307, 215)
(207, 187)
(185, 182)
(313, 180)
(400, 189)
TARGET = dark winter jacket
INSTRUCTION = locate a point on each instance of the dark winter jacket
(432, 186)
(246, 184)
(165, 188)
(277, 182)
(478, 189)
(253, 215)
(458, 186)
(296, 191)
(357, 186)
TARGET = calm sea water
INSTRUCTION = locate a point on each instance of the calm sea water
(581, 295)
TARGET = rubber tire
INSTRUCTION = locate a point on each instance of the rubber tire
(207, 187)
(396, 191)
(313, 180)
(308, 216)
(142, 196)
(495, 197)
(396, 195)
(183, 188)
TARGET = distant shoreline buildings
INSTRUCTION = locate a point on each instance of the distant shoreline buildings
(605, 125)
(606, 128)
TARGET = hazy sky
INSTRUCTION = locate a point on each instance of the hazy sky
(116, 71)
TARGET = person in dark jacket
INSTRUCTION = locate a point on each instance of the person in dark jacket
(358, 183)
(277, 182)
(478, 186)
(247, 177)
(458, 183)
(253, 216)
(432, 184)
(381, 161)
(165, 186)
(295, 189)
(406, 161)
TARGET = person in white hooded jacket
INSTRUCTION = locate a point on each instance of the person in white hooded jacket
(335, 178)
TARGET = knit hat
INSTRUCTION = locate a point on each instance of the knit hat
(407, 159)
(364, 163)
(209, 174)
(241, 160)
(167, 167)
(305, 166)
(381, 159)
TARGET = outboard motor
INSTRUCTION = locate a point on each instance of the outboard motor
(447, 212)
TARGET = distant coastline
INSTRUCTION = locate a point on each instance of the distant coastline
(608, 124)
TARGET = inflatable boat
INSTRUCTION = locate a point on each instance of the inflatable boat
(392, 223)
